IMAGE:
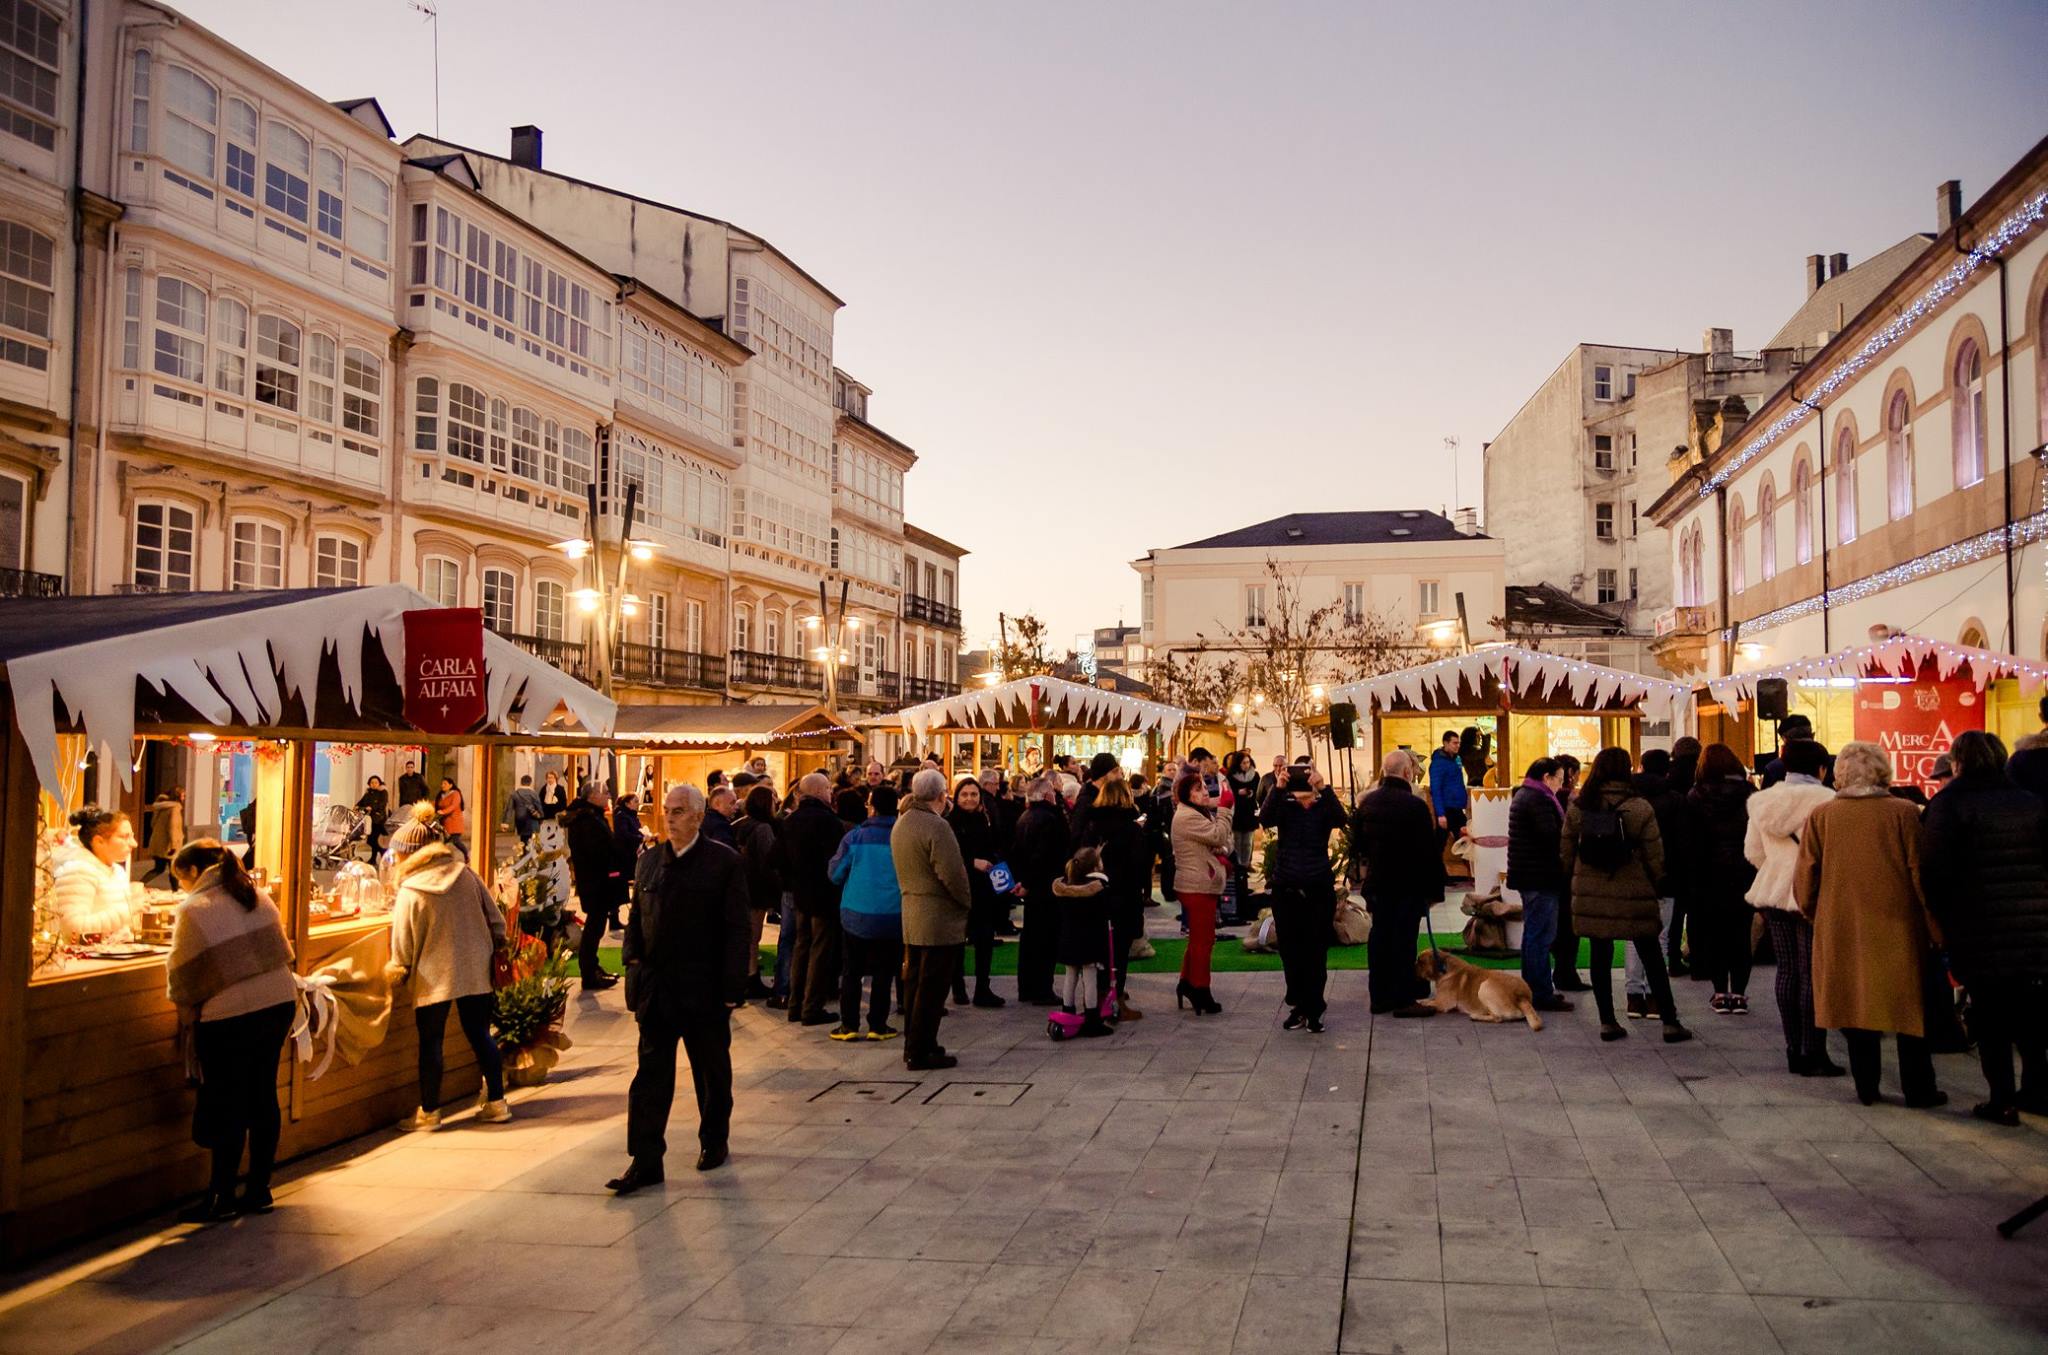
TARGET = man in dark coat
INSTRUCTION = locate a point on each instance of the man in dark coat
(1794, 729)
(600, 882)
(721, 807)
(1038, 856)
(810, 835)
(2028, 766)
(1984, 868)
(1394, 833)
(1304, 894)
(1536, 872)
(412, 788)
(524, 809)
(686, 968)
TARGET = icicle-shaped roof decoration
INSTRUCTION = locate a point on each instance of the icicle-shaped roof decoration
(1007, 706)
(1899, 656)
(240, 666)
(1527, 672)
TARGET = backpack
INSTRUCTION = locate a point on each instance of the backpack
(1603, 837)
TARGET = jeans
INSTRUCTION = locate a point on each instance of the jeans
(785, 939)
(931, 973)
(1391, 981)
(1638, 981)
(1194, 962)
(1302, 913)
(876, 959)
(1792, 939)
(706, 1036)
(1600, 965)
(474, 1014)
(1539, 929)
(238, 1099)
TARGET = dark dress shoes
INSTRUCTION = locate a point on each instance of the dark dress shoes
(634, 1177)
(212, 1207)
(599, 981)
(710, 1158)
(931, 1064)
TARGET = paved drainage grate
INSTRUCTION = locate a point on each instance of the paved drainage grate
(875, 1093)
(978, 1094)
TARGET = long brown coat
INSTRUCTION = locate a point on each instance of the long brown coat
(1858, 882)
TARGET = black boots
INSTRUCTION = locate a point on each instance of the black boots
(985, 996)
(1205, 1003)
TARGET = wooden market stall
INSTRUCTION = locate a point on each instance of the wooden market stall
(660, 746)
(1911, 694)
(1021, 725)
(251, 702)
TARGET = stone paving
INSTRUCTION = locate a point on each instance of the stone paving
(1190, 1185)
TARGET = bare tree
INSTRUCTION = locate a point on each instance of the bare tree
(1023, 651)
(1196, 681)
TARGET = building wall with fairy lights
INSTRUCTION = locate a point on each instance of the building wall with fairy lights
(1874, 490)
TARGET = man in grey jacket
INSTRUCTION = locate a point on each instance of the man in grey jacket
(933, 878)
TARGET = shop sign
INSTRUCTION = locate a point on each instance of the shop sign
(444, 669)
(1916, 720)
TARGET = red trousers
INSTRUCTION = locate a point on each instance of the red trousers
(1201, 911)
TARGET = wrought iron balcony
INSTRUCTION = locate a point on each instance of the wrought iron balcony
(669, 668)
(568, 655)
(26, 583)
(917, 689)
(752, 669)
(918, 608)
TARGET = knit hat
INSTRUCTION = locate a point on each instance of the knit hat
(1101, 765)
(422, 829)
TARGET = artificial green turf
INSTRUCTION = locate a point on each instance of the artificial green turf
(1229, 957)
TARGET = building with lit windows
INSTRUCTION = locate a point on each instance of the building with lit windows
(932, 637)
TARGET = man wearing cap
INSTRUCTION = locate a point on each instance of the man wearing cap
(1794, 729)
(686, 969)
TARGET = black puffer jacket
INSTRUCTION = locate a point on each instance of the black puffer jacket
(1535, 821)
(1394, 833)
(1302, 855)
(1717, 819)
(1984, 870)
(1674, 827)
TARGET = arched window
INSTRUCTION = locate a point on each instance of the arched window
(1845, 486)
(1898, 456)
(1802, 512)
(466, 406)
(327, 167)
(426, 407)
(1966, 414)
(191, 112)
(742, 626)
(2041, 367)
(441, 580)
(285, 170)
(278, 352)
(180, 331)
(1699, 572)
(238, 171)
(1738, 571)
(27, 290)
(1767, 530)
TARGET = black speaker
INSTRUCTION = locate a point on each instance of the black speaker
(1343, 725)
(1771, 698)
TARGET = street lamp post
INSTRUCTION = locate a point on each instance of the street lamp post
(833, 637)
(603, 598)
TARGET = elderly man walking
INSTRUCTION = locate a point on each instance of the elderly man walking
(686, 969)
(936, 899)
(1394, 832)
(810, 835)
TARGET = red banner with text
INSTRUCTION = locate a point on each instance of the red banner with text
(1915, 720)
(444, 669)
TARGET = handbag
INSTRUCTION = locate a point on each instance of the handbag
(501, 969)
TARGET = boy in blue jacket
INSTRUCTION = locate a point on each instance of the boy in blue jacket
(870, 918)
(1447, 793)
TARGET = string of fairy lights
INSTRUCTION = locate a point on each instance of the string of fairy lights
(1902, 654)
(2002, 237)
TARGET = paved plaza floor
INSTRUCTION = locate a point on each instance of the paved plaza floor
(1189, 1185)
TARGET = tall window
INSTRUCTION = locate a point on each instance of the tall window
(164, 537)
(526, 443)
(257, 558)
(239, 170)
(1699, 572)
(1634, 520)
(1603, 383)
(426, 421)
(231, 347)
(1845, 486)
(286, 170)
(13, 521)
(362, 393)
(499, 592)
(1254, 604)
(1603, 521)
(180, 330)
(28, 72)
(1632, 594)
(1428, 598)
(1802, 512)
(657, 621)
(1767, 529)
(138, 105)
(320, 373)
(327, 182)
(26, 293)
(277, 363)
(1738, 542)
(466, 421)
(369, 215)
(191, 111)
(1603, 451)
(1605, 586)
(742, 626)
(1898, 456)
(548, 613)
(771, 631)
(1354, 603)
(441, 581)
(693, 625)
(1966, 412)
(337, 562)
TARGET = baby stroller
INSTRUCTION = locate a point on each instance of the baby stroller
(335, 836)
(1063, 1025)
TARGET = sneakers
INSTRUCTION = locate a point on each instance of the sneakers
(883, 1033)
(1638, 1007)
(421, 1121)
(846, 1033)
(1553, 1003)
(1738, 1005)
(1717, 1004)
(493, 1112)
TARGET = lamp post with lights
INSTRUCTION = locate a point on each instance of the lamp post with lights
(603, 598)
(831, 639)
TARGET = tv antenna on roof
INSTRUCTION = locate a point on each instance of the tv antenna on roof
(433, 17)
(1451, 450)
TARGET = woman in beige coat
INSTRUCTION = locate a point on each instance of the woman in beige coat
(1858, 883)
(1200, 836)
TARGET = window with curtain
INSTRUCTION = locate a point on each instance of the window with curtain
(1767, 529)
(239, 168)
(320, 372)
(1845, 486)
(362, 392)
(286, 169)
(1802, 512)
(1898, 456)
(1966, 412)
(327, 202)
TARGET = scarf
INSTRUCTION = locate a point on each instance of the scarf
(1537, 783)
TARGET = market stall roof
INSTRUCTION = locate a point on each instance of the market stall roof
(725, 726)
(1898, 655)
(1042, 702)
(242, 659)
(1561, 681)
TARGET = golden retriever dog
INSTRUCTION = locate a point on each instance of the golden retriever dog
(1491, 995)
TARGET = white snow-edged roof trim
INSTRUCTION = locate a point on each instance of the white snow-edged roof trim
(1900, 656)
(986, 706)
(238, 668)
(1523, 671)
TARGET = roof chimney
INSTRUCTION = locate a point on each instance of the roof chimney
(526, 147)
(1948, 205)
(1718, 342)
(1838, 264)
(1466, 520)
(1816, 273)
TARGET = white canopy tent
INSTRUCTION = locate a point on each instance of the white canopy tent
(1454, 682)
(1898, 656)
(1033, 703)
